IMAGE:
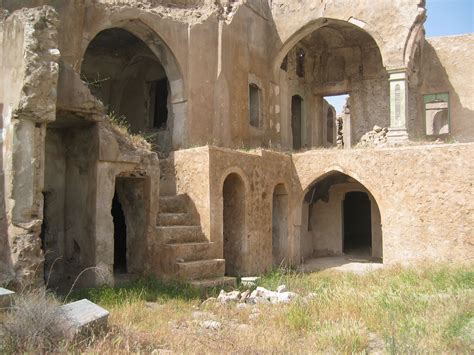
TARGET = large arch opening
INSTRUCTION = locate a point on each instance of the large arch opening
(234, 224)
(336, 58)
(340, 217)
(279, 226)
(132, 82)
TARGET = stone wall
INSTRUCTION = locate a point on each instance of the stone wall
(420, 220)
(423, 194)
(29, 71)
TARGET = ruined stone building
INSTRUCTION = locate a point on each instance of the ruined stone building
(246, 166)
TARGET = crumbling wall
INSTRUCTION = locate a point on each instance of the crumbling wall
(29, 78)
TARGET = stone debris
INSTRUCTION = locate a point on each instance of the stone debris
(377, 137)
(6, 298)
(250, 281)
(258, 296)
(82, 316)
(210, 324)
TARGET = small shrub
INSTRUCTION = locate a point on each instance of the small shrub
(122, 126)
(34, 323)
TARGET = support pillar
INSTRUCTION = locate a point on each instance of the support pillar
(398, 105)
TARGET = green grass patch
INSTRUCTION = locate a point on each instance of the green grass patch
(145, 289)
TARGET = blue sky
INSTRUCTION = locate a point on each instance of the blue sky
(445, 17)
(449, 17)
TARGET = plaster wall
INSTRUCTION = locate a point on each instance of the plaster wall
(447, 66)
(420, 220)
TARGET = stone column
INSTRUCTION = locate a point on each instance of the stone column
(398, 105)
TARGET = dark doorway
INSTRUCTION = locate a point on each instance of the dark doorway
(120, 237)
(357, 222)
(160, 95)
(296, 113)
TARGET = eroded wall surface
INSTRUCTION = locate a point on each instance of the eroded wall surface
(29, 70)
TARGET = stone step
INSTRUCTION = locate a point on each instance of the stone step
(173, 204)
(180, 234)
(175, 219)
(201, 269)
(188, 251)
(223, 282)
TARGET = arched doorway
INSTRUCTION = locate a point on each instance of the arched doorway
(279, 226)
(340, 217)
(131, 81)
(336, 58)
(233, 194)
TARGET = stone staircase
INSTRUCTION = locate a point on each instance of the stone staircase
(187, 251)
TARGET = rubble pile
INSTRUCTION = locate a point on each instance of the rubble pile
(259, 295)
(377, 137)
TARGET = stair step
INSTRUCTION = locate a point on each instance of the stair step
(201, 269)
(180, 234)
(173, 204)
(223, 281)
(188, 251)
(175, 219)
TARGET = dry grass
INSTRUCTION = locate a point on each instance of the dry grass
(122, 128)
(393, 310)
(396, 310)
(33, 323)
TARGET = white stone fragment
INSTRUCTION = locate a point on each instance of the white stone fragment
(83, 315)
(211, 324)
(232, 296)
(282, 288)
(250, 280)
(6, 298)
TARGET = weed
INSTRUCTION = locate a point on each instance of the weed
(34, 323)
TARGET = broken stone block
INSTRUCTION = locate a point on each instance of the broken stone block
(82, 316)
(6, 298)
(233, 296)
(250, 281)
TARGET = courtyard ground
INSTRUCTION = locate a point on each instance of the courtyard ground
(428, 308)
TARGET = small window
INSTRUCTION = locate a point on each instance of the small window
(254, 105)
(300, 54)
(436, 114)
